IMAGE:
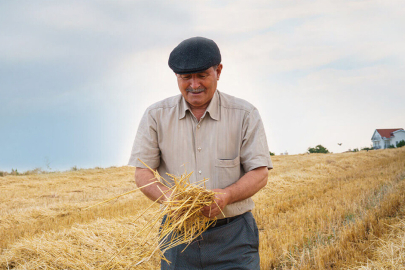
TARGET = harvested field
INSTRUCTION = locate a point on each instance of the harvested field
(318, 211)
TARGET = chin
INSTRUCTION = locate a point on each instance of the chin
(195, 100)
(196, 104)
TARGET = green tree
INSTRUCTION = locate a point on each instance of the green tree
(271, 153)
(401, 143)
(318, 149)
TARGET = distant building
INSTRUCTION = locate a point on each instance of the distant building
(383, 138)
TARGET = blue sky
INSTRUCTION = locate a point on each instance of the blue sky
(76, 76)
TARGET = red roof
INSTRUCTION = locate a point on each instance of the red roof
(387, 133)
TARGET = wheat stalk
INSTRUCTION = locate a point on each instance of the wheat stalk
(181, 211)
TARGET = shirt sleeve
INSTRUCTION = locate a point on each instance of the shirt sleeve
(146, 147)
(254, 150)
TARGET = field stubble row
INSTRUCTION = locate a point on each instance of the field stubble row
(319, 224)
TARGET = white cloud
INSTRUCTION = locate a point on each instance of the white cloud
(46, 30)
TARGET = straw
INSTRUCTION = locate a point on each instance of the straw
(181, 211)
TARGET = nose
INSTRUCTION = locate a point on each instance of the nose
(195, 83)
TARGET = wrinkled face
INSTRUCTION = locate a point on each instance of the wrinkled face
(199, 88)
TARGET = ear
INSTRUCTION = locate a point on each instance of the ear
(219, 70)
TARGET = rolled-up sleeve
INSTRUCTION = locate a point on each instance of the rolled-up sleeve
(254, 150)
(146, 147)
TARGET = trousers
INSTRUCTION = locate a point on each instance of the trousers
(232, 246)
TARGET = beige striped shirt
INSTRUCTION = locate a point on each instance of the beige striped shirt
(228, 141)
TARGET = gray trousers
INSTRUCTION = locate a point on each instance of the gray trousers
(232, 246)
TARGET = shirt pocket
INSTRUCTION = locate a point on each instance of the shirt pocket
(227, 171)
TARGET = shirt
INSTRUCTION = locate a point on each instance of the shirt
(228, 141)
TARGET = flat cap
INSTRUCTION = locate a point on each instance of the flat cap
(194, 55)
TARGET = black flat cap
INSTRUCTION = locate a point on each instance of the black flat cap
(194, 55)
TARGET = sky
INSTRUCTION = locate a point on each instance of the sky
(76, 76)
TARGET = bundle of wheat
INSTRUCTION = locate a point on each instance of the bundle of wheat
(184, 221)
(181, 213)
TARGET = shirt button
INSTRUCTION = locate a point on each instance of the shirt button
(198, 126)
(199, 171)
(199, 149)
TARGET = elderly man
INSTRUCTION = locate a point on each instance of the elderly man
(217, 136)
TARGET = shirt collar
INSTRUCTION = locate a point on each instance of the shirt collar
(212, 109)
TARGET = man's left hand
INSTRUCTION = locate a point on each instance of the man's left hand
(221, 199)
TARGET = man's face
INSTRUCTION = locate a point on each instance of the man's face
(199, 88)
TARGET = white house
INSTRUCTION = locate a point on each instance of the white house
(383, 138)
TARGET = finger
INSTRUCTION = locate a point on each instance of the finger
(205, 214)
(207, 207)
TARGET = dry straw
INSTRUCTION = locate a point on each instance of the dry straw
(181, 213)
(318, 211)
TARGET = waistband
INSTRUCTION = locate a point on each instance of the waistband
(223, 221)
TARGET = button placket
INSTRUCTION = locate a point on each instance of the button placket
(198, 152)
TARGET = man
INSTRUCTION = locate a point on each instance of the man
(218, 137)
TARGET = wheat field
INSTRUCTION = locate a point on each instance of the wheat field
(318, 211)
